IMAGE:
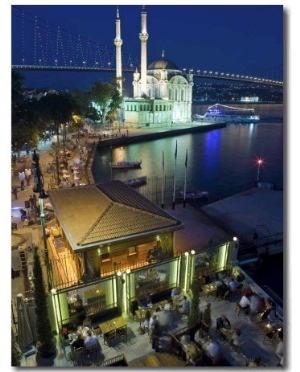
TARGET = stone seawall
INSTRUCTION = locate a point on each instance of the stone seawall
(153, 135)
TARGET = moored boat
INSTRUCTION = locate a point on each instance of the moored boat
(222, 113)
(192, 195)
(126, 164)
(135, 182)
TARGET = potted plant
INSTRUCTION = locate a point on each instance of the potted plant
(46, 344)
(16, 353)
(206, 317)
(194, 317)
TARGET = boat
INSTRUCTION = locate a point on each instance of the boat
(222, 113)
(193, 195)
(135, 182)
(126, 164)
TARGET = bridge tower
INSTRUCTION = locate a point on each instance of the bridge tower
(144, 37)
(118, 43)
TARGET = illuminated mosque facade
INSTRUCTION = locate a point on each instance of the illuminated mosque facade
(162, 96)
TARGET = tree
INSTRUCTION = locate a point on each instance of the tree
(195, 316)
(46, 342)
(24, 129)
(107, 99)
(57, 109)
(86, 109)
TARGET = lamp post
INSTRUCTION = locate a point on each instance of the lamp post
(39, 187)
(259, 163)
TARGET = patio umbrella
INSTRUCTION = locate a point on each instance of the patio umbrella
(25, 337)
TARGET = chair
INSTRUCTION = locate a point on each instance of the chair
(110, 338)
(239, 309)
(76, 356)
(226, 295)
(93, 352)
(122, 334)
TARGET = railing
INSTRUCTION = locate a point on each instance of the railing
(119, 360)
(254, 248)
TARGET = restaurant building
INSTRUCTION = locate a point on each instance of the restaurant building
(108, 246)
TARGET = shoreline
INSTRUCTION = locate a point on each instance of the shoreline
(150, 134)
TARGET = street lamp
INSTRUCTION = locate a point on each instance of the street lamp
(259, 163)
(39, 187)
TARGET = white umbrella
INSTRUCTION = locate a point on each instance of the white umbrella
(25, 337)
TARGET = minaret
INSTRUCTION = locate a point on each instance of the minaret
(118, 43)
(144, 38)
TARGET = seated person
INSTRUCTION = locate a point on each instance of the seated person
(79, 342)
(214, 351)
(192, 352)
(199, 335)
(245, 302)
(65, 332)
(233, 284)
(91, 340)
(175, 291)
(254, 363)
(221, 290)
(272, 314)
(255, 304)
(223, 322)
(87, 323)
(247, 292)
(185, 306)
(169, 305)
(235, 341)
(185, 341)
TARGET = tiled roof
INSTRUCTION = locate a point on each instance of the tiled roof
(97, 213)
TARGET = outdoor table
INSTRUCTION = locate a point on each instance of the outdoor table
(112, 325)
(227, 333)
(211, 288)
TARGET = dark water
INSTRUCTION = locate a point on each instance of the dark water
(219, 161)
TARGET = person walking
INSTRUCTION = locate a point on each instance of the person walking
(155, 333)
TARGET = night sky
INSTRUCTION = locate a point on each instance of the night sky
(240, 39)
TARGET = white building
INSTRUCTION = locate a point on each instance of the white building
(162, 95)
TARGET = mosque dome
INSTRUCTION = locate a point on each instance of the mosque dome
(163, 64)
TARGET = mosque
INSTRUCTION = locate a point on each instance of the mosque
(162, 96)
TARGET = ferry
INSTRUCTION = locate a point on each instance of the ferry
(222, 113)
(126, 164)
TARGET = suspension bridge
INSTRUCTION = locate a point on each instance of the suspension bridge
(39, 45)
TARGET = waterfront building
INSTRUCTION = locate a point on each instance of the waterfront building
(162, 95)
(109, 246)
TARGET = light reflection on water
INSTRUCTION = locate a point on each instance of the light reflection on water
(218, 161)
